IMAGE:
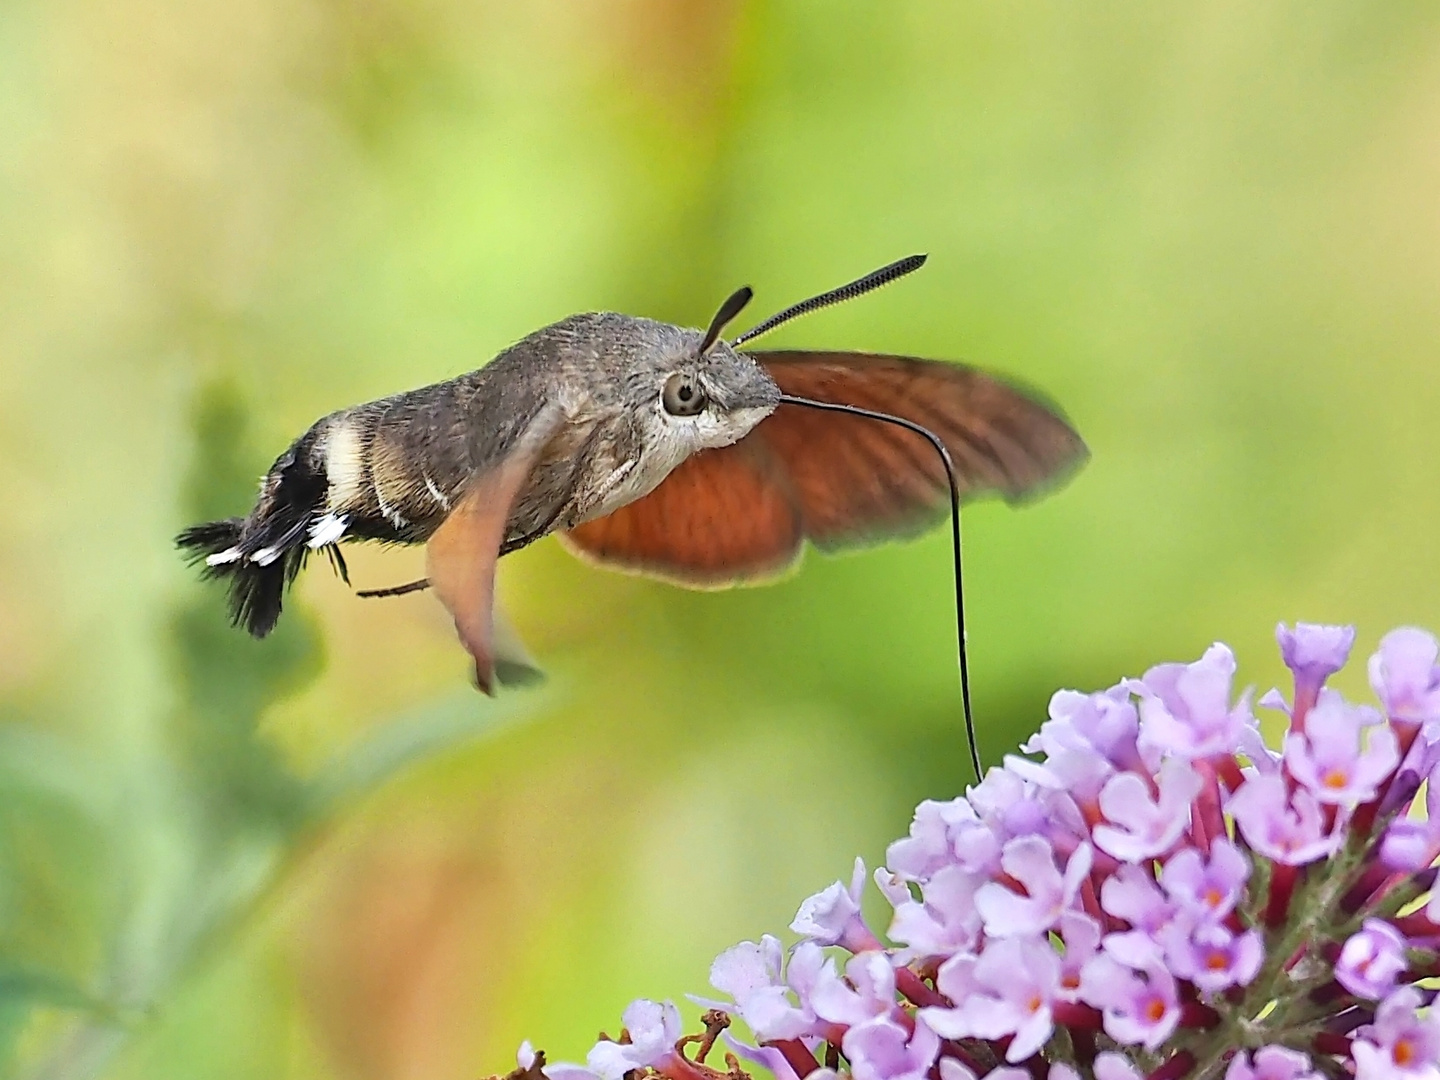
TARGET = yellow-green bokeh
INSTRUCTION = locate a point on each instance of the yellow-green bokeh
(1211, 232)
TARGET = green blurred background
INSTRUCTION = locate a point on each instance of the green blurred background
(1209, 231)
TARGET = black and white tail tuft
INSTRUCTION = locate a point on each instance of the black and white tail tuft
(260, 555)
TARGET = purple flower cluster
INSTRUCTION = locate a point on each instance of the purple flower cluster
(1150, 893)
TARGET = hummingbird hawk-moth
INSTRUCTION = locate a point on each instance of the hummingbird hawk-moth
(646, 447)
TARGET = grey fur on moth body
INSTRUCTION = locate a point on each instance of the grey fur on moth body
(390, 470)
(600, 373)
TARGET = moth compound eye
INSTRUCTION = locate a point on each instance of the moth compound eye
(683, 396)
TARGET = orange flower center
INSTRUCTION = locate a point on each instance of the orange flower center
(1404, 1052)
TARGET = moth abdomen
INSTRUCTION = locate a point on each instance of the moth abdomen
(385, 470)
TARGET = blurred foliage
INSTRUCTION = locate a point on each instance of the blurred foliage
(210, 843)
(1208, 232)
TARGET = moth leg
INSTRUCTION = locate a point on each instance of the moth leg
(394, 590)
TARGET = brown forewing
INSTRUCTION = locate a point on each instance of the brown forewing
(860, 479)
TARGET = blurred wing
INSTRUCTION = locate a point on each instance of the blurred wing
(460, 556)
(858, 479)
(836, 479)
(721, 517)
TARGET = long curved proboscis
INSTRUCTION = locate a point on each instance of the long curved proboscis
(933, 440)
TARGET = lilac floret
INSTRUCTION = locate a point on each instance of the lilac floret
(1314, 652)
(1185, 708)
(1131, 894)
(1080, 938)
(832, 916)
(1411, 845)
(934, 834)
(751, 974)
(654, 1029)
(1030, 861)
(1146, 825)
(1405, 676)
(945, 920)
(1286, 827)
(1141, 1007)
(1088, 738)
(1006, 991)
(1214, 958)
(1271, 1063)
(881, 1049)
(1401, 1044)
(1371, 960)
(866, 992)
(1333, 757)
(1207, 889)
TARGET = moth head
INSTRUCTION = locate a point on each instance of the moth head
(715, 394)
(707, 394)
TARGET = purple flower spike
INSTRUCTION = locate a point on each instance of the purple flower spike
(1271, 1063)
(1314, 653)
(1151, 894)
(1329, 759)
(1405, 676)
(1372, 960)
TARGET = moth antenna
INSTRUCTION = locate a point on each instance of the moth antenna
(859, 287)
(728, 310)
(934, 440)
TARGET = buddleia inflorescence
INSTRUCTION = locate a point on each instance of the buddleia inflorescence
(1151, 892)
